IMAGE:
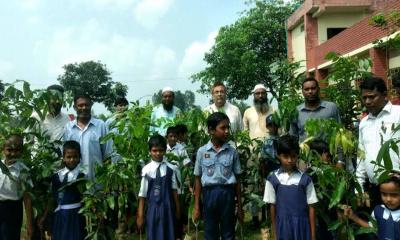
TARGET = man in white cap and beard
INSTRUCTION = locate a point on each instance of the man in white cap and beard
(254, 121)
(164, 113)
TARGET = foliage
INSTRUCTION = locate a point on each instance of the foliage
(92, 78)
(389, 22)
(342, 78)
(183, 100)
(243, 51)
(1, 89)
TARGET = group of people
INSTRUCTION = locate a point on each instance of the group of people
(289, 191)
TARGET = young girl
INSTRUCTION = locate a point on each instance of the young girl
(159, 189)
(291, 194)
(68, 223)
(387, 215)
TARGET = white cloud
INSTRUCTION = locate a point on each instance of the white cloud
(148, 13)
(192, 61)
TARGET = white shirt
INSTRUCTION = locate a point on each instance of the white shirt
(371, 131)
(233, 112)
(72, 174)
(150, 170)
(13, 189)
(254, 122)
(53, 126)
(286, 179)
(179, 151)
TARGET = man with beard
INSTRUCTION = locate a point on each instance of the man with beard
(164, 113)
(220, 104)
(254, 117)
(88, 131)
(312, 108)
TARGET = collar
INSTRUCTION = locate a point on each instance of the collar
(210, 146)
(92, 121)
(386, 109)
(387, 213)
(169, 148)
(322, 104)
(281, 170)
(72, 174)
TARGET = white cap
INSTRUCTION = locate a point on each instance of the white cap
(259, 86)
(167, 89)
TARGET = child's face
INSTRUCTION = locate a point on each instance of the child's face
(390, 194)
(172, 138)
(157, 153)
(71, 158)
(221, 132)
(12, 150)
(288, 161)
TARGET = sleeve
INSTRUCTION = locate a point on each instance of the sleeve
(373, 218)
(240, 121)
(197, 165)
(236, 163)
(245, 121)
(360, 169)
(175, 175)
(269, 193)
(144, 185)
(107, 147)
(311, 194)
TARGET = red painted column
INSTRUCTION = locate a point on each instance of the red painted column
(311, 28)
(379, 63)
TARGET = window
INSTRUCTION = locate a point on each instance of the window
(331, 32)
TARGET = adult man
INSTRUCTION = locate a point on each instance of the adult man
(164, 113)
(312, 108)
(220, 104)
(254, 117)
(375, 129)
(54, 122)
(88, 131)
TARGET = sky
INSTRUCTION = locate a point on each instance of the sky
(146, 44)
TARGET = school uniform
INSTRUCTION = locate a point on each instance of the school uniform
(157, 185)
(11, 193)
(388, 222)
(68, 223)
(217, 169)
(291, 195)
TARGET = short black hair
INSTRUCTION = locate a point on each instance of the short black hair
(320, 146)
(269, 121)
(182, 128)
(215, 118)
(56, 87)
(309, 79)
(82, 95)
(218, 84)
(121, 101)
(394, 176)
(173, 130)
(396, 80)
(72, 145)
(372, 83)
(157, 141)
(18, 138)
(287, 144)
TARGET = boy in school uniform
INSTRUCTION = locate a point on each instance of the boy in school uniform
(13, 176)
(217, 171)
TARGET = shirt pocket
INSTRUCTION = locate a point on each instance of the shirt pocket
(208, 167)
(226, 167)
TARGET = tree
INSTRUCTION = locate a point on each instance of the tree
(1, 89)
(92, 78)
(243, 52)
(183, 100)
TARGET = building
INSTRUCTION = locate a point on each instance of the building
(318, 27)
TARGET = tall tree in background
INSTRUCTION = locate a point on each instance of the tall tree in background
(92, 78)
(243, 52)
(183, 100)
(1, 89)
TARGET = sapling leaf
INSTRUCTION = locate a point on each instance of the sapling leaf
(338, 193)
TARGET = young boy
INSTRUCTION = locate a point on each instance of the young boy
(270, 159)
(217, 172)
(176, 148)
(159, 189)
(14, 176)
(182, 134)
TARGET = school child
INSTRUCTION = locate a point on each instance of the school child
(291, 195)
(269, 157)
(386, 215)
(158, 190)
(182, 134)
(217, 171)
(176, 148)
(14, 177)
(68, 223)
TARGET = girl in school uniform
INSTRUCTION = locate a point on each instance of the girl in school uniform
(386, 215)
(158, 190)
(68, 223)
(291, 195)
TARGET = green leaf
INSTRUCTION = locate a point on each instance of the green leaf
(338, 193)
(27, 90)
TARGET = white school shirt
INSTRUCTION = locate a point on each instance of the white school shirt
(286, 179)
(179, 151)
(233, 113)
(151, 170)
(371, 131)
(11, 189)
(72, 174)
(386, 214)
